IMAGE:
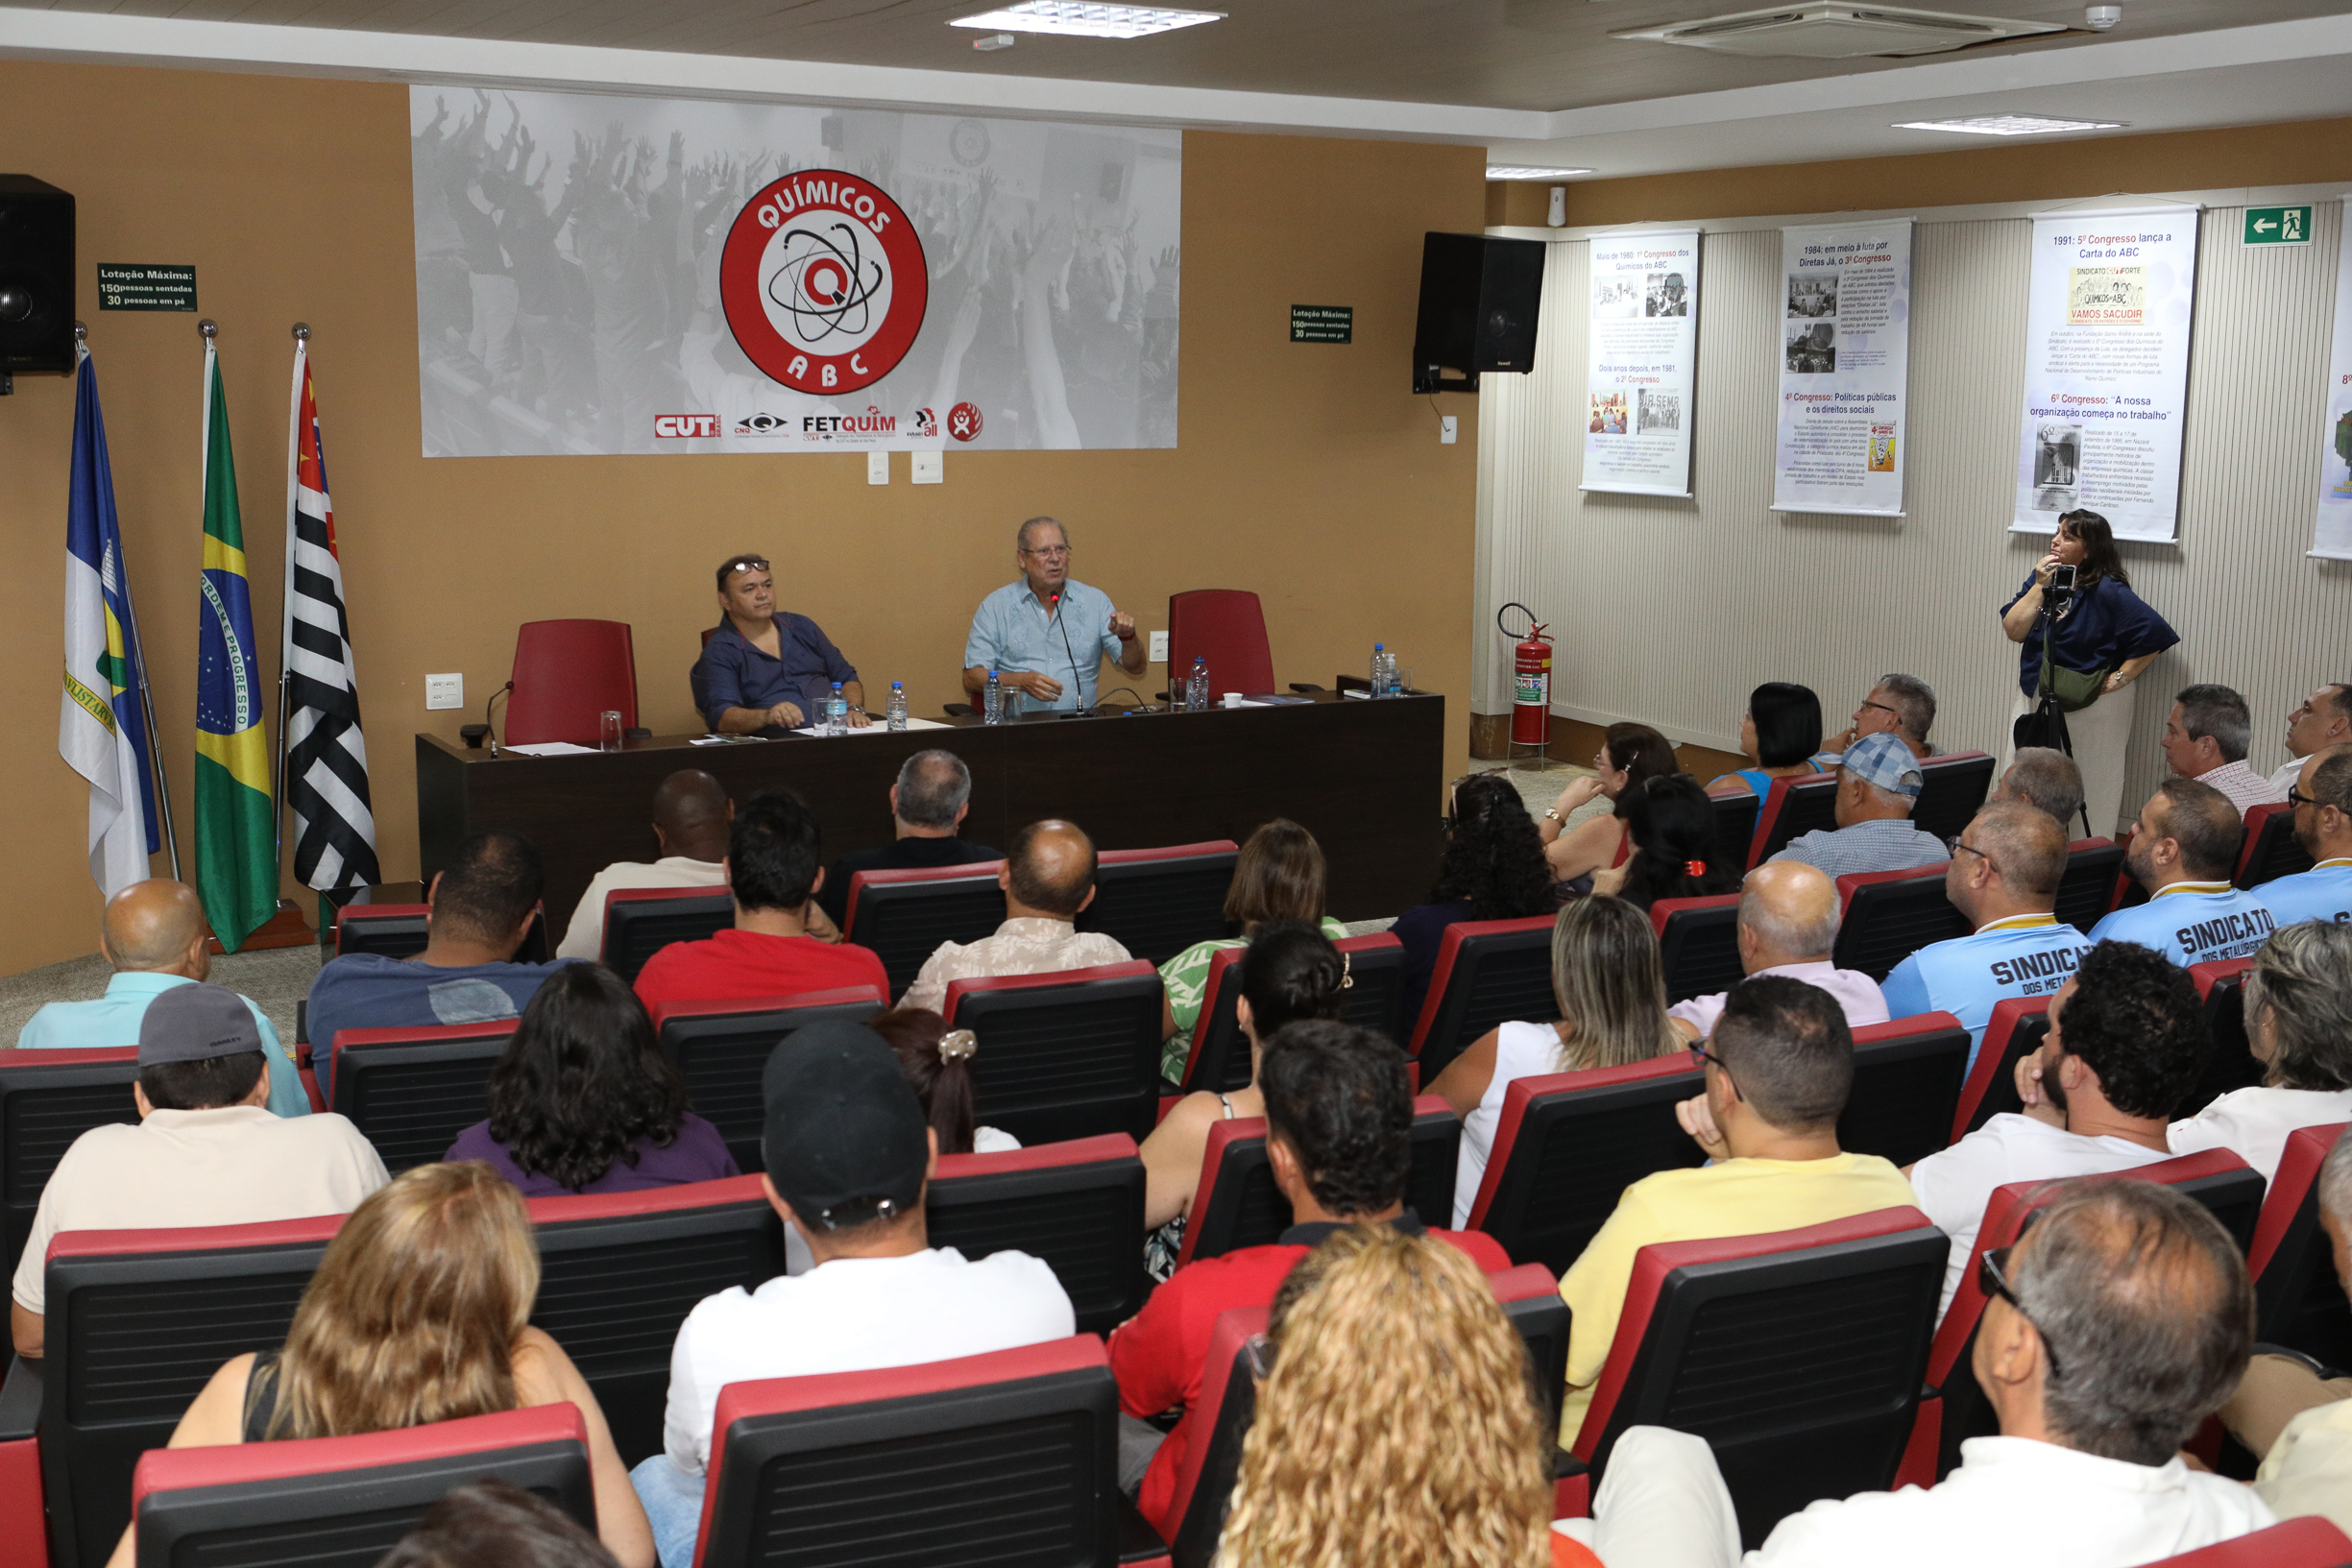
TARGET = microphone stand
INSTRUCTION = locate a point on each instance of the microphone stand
(1078, 681)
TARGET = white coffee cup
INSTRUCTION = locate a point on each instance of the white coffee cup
(1233, 699)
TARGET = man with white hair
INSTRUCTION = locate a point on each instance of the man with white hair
(1787, 925)
(1878, 784)
(1900, 705)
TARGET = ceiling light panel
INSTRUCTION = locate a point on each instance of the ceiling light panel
(1080, 19)
(2009, 125)
(1515, 171)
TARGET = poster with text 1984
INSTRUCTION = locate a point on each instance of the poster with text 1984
(1845, 348)
(2107, 369)
(1641, 350)
(2334, 536)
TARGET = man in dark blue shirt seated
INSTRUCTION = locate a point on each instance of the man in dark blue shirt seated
(766, 667)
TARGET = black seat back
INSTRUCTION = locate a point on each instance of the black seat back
(1244, 1208)
(1805, 806)
(2229, 1061)
(396, 930)
(723, 1047)
(1952, 790)
(412, 1100)
(1735, 825)
(2272, 849)
(1889, 915)
(1066, 1055)
(1219, 1060)
(1375, 994)
(2001, 1078)
(903, 915)
(2087, 889)
(639, 923)
(1487, 972)
(1906, 1088)
(47, 1100)
(1079, 1206)
(2298, 1301)
(1157, 903)
(1698, 945)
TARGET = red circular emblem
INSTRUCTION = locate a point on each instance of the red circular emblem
(963, 421)
(824, 282)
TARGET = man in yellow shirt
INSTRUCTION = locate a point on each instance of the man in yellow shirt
(1779, 1068)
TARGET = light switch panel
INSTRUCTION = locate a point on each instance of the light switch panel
(928, 468)
(878, 468)
(445, 691)
(1159, 647)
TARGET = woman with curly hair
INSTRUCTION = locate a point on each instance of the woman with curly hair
(584, 1100)
(1677, 854)
(1492, 869)
(1396, 1426)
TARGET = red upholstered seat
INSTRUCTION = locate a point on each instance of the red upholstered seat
(1698, 945)
(2272, 850)
(2086, 891)
(1487, 972)
(1228, 627)
(721, 1048)
(1066, 1054)
(1907, 1074)
(1237, 1203)
(567, 673)
(2307, 1542)
(1952, 789)
(2299, 1302)
(1888, 915)
(640, 922)
(1796, 806)
(2229, 1063)
(1156, 903)
(2016, 1031)
(396, 930)
(903, 916)
(47, 1100)
(1077, 1205)
(412, 1091)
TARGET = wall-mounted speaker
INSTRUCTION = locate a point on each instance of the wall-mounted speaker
(36, 275)
(1479, 296)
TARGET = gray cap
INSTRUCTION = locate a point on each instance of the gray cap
(1884, 760)
(196, 1024)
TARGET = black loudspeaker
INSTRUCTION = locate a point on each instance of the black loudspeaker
(1478, 308)
(36, 275)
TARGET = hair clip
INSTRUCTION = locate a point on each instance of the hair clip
(958, 1045)
(1347, 981)
(1694, 868)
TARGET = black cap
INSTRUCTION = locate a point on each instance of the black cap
(843, 1134)
(196, 1022)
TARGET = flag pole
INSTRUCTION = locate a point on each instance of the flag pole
(285, 594)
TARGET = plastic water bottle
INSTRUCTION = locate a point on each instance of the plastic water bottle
(1196, 687)
(992, 706)
(1392, 683)
(898, 705)
(836, 711)
(1380, 663)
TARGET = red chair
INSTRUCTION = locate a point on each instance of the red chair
(1907, 1075)
(1698, 945)
(2272, 849)
(1487, 972)
(1219, 1058)
(397, 930)
(903, 916)
(22, 1516)
(2307, 1542)
(1796, 1355)
(1952, 789)
(1237, 1203)
(1068, 1054)
(1374, 998)
(723, 1047)
(411, 1092)
(1888, 915)
(568, 675)
(1079, 1206)
(640, 922)
(1156, 903)
(1796, 806)
(2229, 1060)
(1736, 812)
(2016, 1031)
(47, 1100)
(326, 1501)
(1227, 627)
(2298, 1301)
(2086, 891)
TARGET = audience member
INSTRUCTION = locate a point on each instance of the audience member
(1048, 878)
(1291, 972)
(1677, 851)
(477, 913)
(691, 813)
(1629, 755)
(2118, 1323)
(1612, 995)
(938, 1064)
(419, 1312)
(2323, 721)
(1395, 1426)
(928, 805)
(1778, 734)
(155, 935)
(2298, 1025)
(1777, 1067)
(1278, 875)
(2323, 799)
(2205, 738)
(585, 1101)
(1492, 869)
(2183, 849)
(2288, 1412)
(204, 1151)
(849, 1159)
(496, 1524)
(773, 848)
(1788, 925)
(2004, 880)
(2047, 779)
(1338, 1135)
(1878, 785)
(2126, 1041)
(1903, 705)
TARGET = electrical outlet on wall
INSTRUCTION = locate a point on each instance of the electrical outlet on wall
(1159, 647)
(1446, 429)
(878, 468)
(445, 691)
(927, 469)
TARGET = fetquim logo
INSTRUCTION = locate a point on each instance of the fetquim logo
(823, 281)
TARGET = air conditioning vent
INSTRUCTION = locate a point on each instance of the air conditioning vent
(1830, 30)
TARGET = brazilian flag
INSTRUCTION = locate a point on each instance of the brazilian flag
(237, 849)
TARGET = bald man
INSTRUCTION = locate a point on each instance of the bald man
(1787, 925)
(156, 936)
(1047, 878)
(691, 813)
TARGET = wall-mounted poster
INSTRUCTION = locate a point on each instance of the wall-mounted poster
(2107, 369)
(1641, 351)
(2333, 537)
(628, 275)
(1845, 368)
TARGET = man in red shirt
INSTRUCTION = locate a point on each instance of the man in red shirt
(773, 855)
(1338, 1135)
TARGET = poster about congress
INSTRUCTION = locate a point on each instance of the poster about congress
(1845, 348)
(2107, 369)
(600, 274)
(1641, 351)
(2333, 538)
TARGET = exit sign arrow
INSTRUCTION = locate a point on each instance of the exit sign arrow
(2277, 226)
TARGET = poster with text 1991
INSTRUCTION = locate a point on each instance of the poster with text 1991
(1845, 348)
(1641, 347)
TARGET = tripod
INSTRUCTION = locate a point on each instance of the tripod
(2046, 725)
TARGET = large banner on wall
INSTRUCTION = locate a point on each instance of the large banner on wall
(2333, 537)
(1641, 353)
(617, 275)
(2107, 369)
(1845, 368)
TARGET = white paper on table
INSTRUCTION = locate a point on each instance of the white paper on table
(876, 728)
(550, 748)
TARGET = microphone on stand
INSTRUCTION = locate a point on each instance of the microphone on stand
(1077, 683)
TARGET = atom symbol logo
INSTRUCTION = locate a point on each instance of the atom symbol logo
(823, 282)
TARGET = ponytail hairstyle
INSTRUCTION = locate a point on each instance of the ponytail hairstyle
(1291, 971)
(937, 1063)
(1672, 824)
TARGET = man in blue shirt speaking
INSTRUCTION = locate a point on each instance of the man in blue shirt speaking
(768, 668)
(2322, 796)
(2183, 849)
(1046, 635)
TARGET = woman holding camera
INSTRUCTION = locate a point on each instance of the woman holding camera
(2102, 637)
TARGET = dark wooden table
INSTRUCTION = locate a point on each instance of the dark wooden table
(1365, 778)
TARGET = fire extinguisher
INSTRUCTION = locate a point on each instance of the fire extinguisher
(1531, 680)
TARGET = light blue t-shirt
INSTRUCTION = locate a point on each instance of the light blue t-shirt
(2193, 922)
(1011, 631)
(2027, 956)
(2324, 892)
(112, 1022)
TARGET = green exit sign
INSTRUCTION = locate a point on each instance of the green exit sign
(2278, 225)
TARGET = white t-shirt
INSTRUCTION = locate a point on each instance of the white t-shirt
(1953, 1185)
(2254, 1124)
(854, 1315)
(584, 937)
(1857, 993)
(1521, 1050)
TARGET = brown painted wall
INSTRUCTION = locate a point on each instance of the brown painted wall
(1307, 473)
(2252, 155)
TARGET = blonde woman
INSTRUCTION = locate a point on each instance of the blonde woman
(1396, 1427)
(1611, 992)
(418, 1313)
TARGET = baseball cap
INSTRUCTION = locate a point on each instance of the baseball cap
(1884, 760)
(843, 1134)
(196, 1022)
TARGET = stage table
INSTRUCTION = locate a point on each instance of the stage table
(1365, 778)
